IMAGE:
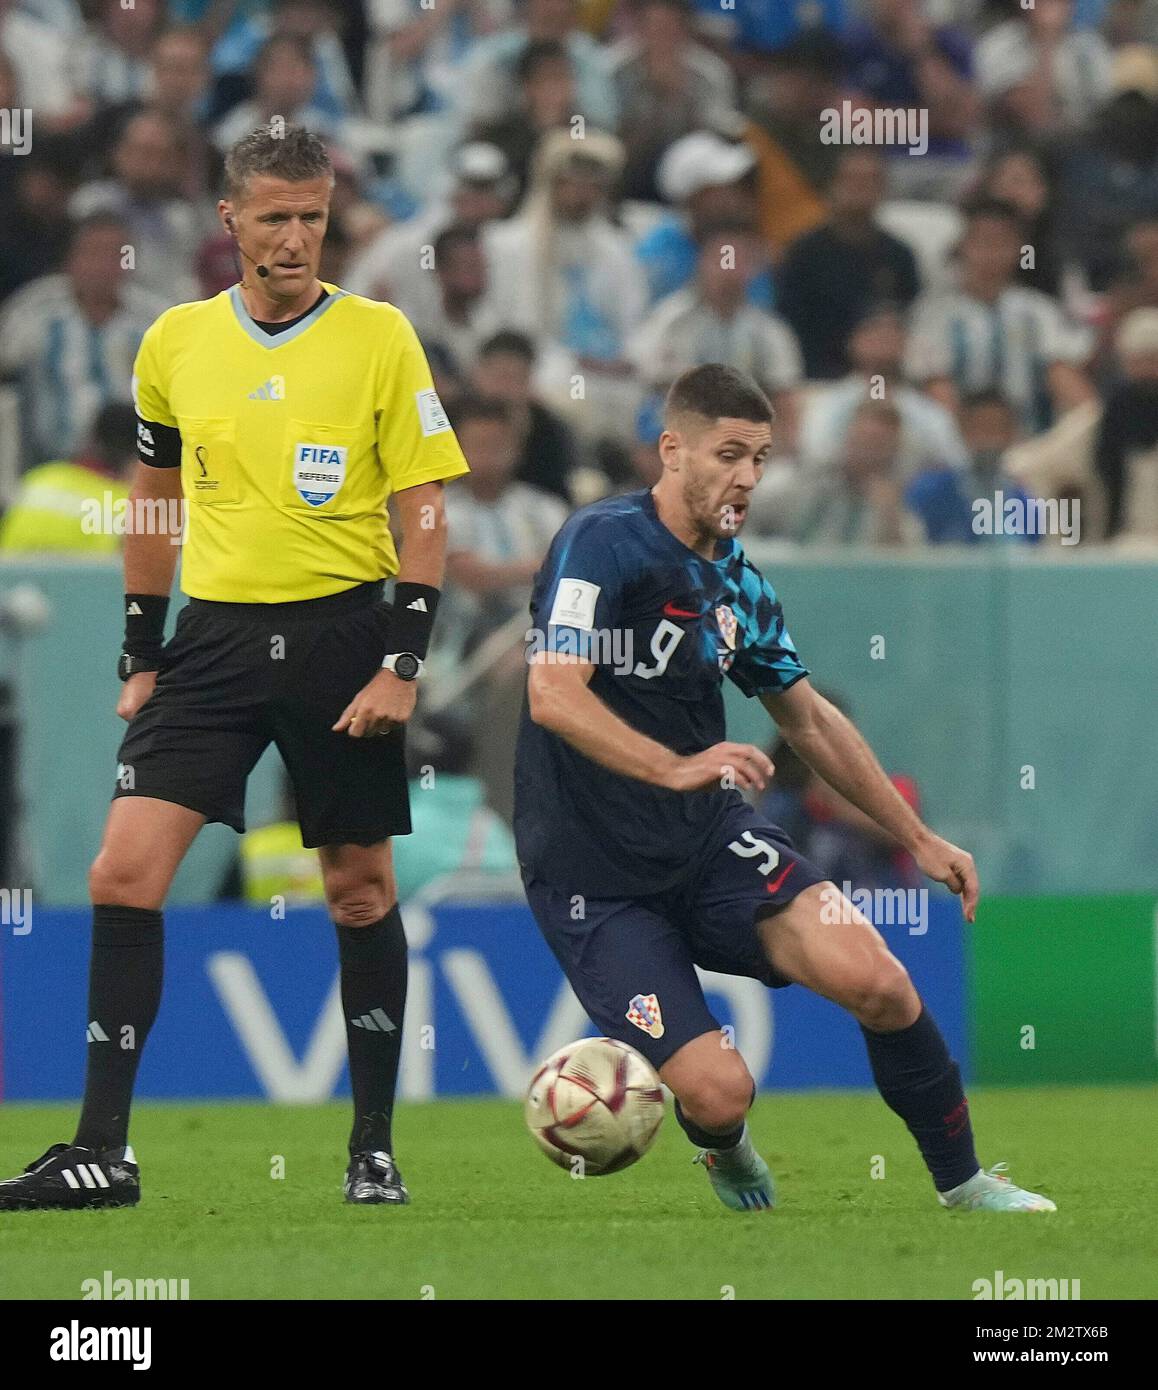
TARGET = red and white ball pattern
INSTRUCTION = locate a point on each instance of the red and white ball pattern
(596, 1100)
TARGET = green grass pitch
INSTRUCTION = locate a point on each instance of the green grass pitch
(492, 1218)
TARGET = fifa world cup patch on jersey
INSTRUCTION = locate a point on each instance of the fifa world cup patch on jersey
(319, 471)
(645, 1013)
(574, 605)
(431, 413)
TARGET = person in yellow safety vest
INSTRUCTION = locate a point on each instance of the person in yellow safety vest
(275, 863)
(72, 506)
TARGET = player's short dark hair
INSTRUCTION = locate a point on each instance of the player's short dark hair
(509, 342)
(470, 407)
(296, 155)
(717, 392)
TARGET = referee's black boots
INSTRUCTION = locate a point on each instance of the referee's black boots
(68, 1177)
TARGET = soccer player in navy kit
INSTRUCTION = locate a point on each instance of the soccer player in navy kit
(640, 857)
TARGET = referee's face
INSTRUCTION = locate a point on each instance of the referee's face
(714, 466)
(281, 224)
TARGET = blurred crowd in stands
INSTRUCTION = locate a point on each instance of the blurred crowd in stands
(575, 200)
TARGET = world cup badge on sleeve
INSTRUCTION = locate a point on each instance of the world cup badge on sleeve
(644, 1012)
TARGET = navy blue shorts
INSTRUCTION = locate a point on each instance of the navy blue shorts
(631, 961)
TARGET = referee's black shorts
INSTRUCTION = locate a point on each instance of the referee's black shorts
(236, 676)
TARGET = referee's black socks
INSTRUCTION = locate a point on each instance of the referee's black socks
(373, 967)
(921, 1083)
(124, 990)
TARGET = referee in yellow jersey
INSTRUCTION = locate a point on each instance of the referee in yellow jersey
(289, 415)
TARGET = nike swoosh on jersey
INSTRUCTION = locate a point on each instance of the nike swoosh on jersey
(774, 887)
(671, 611)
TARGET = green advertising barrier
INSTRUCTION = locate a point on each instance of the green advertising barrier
(1064, 989)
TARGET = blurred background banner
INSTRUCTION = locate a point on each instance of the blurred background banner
(1015, 690)
(251, 1006)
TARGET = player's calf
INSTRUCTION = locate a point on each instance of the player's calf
(714, 1091)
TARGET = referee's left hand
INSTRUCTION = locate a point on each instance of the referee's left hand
(378, 707)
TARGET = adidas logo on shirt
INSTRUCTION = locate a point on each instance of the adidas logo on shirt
(419, 605)
(377, 1021)
(95, 1033)
(271, 390)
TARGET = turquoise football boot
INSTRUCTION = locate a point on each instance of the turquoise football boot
(739, 1176)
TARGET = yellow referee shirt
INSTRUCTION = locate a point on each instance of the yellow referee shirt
(292, 443)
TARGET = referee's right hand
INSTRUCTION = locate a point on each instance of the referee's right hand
(134, 692)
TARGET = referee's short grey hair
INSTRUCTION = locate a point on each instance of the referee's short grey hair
(295, 154)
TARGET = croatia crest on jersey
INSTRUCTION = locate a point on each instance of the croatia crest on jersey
(726, 622)
(319, 471)
(644, 1012)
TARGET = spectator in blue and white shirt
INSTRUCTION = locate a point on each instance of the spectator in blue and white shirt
(992, 333)
(69, 340)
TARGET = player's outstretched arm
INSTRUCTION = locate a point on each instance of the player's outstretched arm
(560, 700)
(835, 750)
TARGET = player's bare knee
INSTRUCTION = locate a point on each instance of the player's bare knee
(717, 1098)
(885, 999)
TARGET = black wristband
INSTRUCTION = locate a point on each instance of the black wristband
(145, 624)
(414, 608)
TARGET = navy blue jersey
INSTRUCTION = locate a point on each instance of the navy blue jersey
(662, 626)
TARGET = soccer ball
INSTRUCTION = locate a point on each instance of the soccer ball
(595, 1106)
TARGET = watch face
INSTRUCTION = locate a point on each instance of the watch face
(406, 666)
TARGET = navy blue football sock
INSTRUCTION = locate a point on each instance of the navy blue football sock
(703, 1138)
(124, 992)
(373, 970)
(921, 1083)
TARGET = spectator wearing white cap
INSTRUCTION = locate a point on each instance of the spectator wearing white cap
(668, 86)
(706, 179)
